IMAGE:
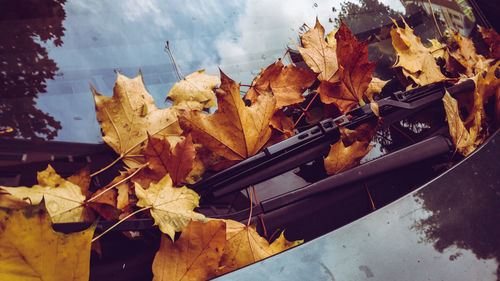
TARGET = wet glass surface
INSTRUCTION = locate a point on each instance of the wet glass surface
(53, 49)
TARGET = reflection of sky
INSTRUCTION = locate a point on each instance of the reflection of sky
(240, 37)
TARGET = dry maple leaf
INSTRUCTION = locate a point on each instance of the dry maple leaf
(195, 91)
(465, 140)
(355, 72)
(245, 246)
(234, 131)
(31, 250)
(129, 115)
(63, 199)
(437, 48)
(287, 83)
(466, 56)
(171, 208)
(82, 179)
(374, 87)
(194, 256)
(177, 161)
(341, 158)
(416, 61)
(320, 54)
(492, 38)
(486, 87)
(282, 123)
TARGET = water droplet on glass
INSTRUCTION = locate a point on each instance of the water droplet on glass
(315, 4)
(263, 57)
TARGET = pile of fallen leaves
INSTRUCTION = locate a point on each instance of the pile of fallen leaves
(162, 149)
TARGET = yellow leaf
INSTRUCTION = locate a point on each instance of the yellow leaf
(341, 158)
(320, 55)
(465, 140)
(195, 90)
(123, 122)
(436, 49)
(281, 244)
(31, 250)
(234, 131)
(63, 199)
(194, 256)
(374, 87)
(466, 55)
(171, 208)
(244, 246)
(416, 60)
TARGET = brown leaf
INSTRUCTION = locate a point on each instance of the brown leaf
(319, 54)
(341, 158)
(234, 131)
(290, 84)
(287, 83)
(491, 38)
(282, 123)
(465, 140)
(354, 75)
(128, 116)
(194, 256)
(82, 179)
(416, 61)
(162, 159)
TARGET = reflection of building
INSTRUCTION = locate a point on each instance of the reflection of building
(448, 11)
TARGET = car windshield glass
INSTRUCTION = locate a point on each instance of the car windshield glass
(52, 50)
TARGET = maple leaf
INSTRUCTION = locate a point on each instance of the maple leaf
(320, 54)
(177, 161)
(31, 250)
(466, 56)
(63, 199)
(465, 140)
(234, 131)
(129, 115)
(82, 179)
(374, 87)
(281, 244)
(195, 91)
(245, 246)
(282, 123)
(416, 61)
(437, 48)
(492, 38)
(171, 208)
(194, 256)
(355, 72)
(341, 158)
(287, 83)
(486, 86)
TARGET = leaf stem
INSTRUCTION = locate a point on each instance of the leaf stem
(117, 183)
(120, 221)
(251, 207)
(307, 108)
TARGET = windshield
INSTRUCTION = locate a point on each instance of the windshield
(52, 50)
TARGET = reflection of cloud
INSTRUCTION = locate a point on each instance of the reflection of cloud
(264, 31)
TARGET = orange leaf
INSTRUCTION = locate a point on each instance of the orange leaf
(287, 83)
(342, 158)
(319, 54)
(416, 61)
(234, 131)
(194, 256)
(178, 161)
(470, 62)
(355, 73)
(491, 38)
(282, 123)
(245, 246)
(465, 140)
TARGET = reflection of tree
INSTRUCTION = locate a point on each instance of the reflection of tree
(25, 65)
(464, 207)
(366, 15)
